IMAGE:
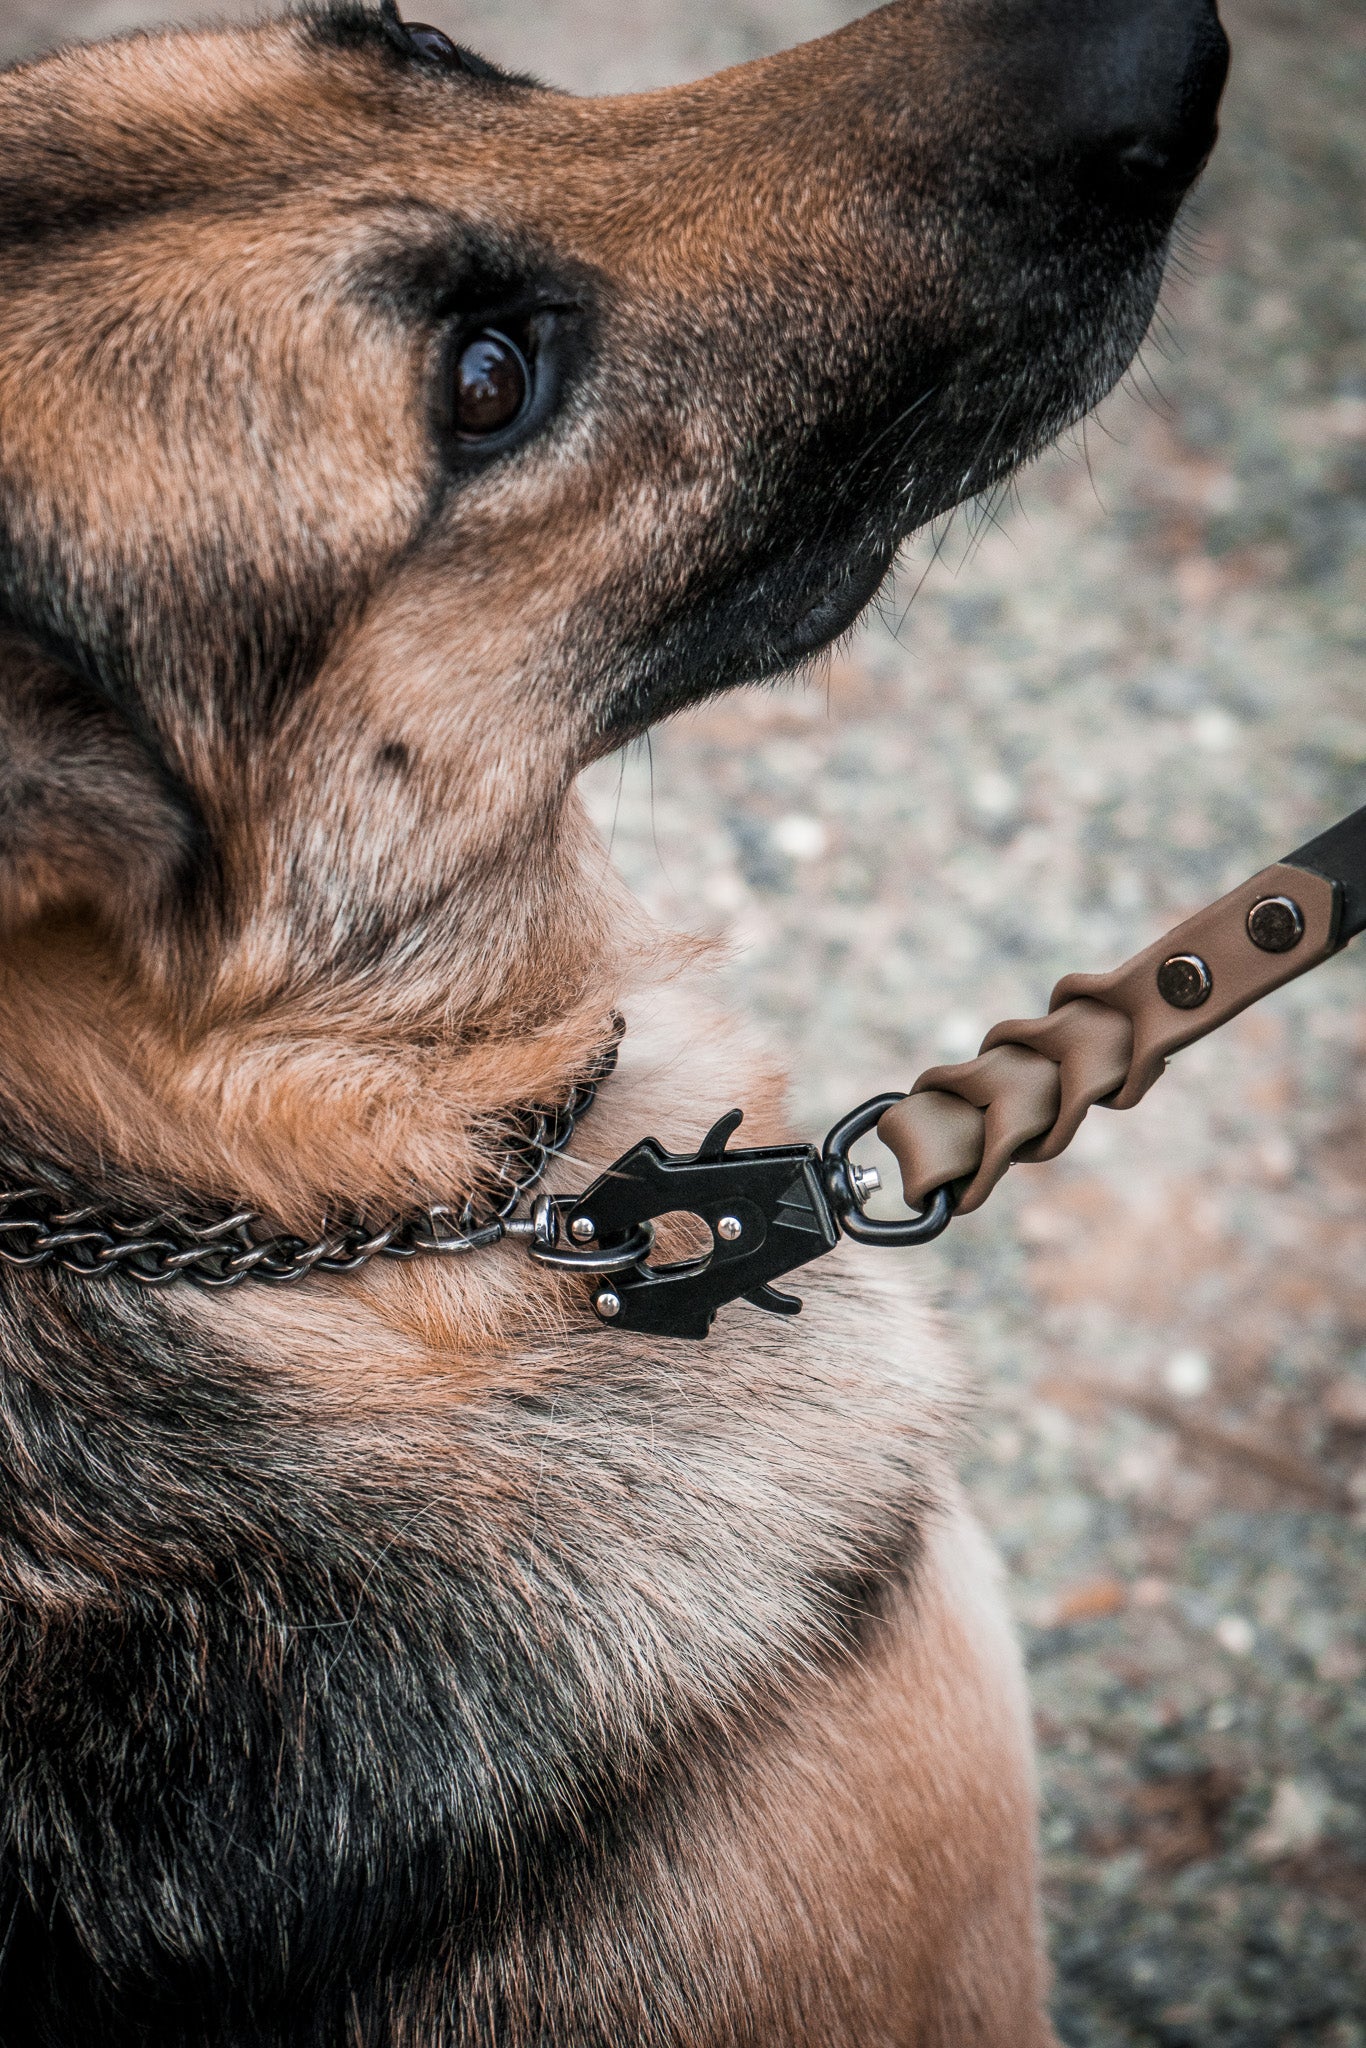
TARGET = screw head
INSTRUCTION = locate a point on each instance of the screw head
(729, 1227)
(1276, 924)
(582, 1229)
(607, 1304)
(1184, 981)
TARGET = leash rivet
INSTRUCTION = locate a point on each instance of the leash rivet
(582, 1229)
(607, 1304)
(1184, 981)
(1276, 924)
(729, 1227)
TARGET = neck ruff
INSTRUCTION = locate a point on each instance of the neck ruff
(48, 1224)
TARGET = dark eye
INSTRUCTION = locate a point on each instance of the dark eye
(492, 385)
(431, 43)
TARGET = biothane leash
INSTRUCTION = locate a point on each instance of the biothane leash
(773, 1209)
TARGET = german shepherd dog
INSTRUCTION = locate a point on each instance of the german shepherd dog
(406, 1658)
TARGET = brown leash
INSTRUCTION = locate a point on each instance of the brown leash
(1105, 1040)
(1108, 1037)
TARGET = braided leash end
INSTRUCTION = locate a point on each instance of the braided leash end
(1107, 1037)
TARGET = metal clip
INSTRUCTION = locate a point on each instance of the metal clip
(845, 1194)
(766, 1208)
(770, 1210)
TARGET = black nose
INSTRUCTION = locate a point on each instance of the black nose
(1140, 88)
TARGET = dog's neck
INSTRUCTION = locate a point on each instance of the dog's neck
(298, 1085)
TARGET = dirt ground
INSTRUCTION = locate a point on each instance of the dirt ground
(1084, 718)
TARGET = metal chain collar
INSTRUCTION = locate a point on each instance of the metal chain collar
(157, 1250)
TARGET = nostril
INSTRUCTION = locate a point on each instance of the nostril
(1145, 161)
(1160, 166)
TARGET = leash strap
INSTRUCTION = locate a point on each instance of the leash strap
(1108, 1037)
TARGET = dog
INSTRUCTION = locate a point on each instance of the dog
(406, 1657)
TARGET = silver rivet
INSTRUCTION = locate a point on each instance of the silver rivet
(608, 1304)
(1275, 924)
(1184, 981)
(582, 1229)
(866, 1181)
(729, 1227)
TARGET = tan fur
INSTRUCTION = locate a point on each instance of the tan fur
(872, 1838)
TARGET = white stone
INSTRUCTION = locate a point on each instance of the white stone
(800, 837)
(1215, 730)
(1187, 1375)
(1235, 1633)
(1295, 1823)
(994, 794)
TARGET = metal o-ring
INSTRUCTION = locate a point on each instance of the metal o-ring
(614, 1258)
(1185, 981)
(1275, 924)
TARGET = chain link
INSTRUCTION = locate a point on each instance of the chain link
(156, 1251)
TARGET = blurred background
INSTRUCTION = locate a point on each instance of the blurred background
(1077, 719)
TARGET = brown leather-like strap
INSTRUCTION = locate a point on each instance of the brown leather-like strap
(938, 1140)
(1239, 971)
(1018, 1097)
(1107, 1037)
(1093, 1047)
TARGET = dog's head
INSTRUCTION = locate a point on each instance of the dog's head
(385, 437)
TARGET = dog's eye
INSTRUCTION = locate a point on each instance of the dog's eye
(492, 386)
(432, 43)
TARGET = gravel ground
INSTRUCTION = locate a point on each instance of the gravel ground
(1074, 722)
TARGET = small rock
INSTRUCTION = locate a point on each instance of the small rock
(1040, 1226)
(994, 794)
(1215, 730)
(1278, 1158)
(1295, 1823)
(959, 1035)
(1178, 1818)
(1187, 1375)
(1093, 1600)
(1235, 1633)
(800, 837)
